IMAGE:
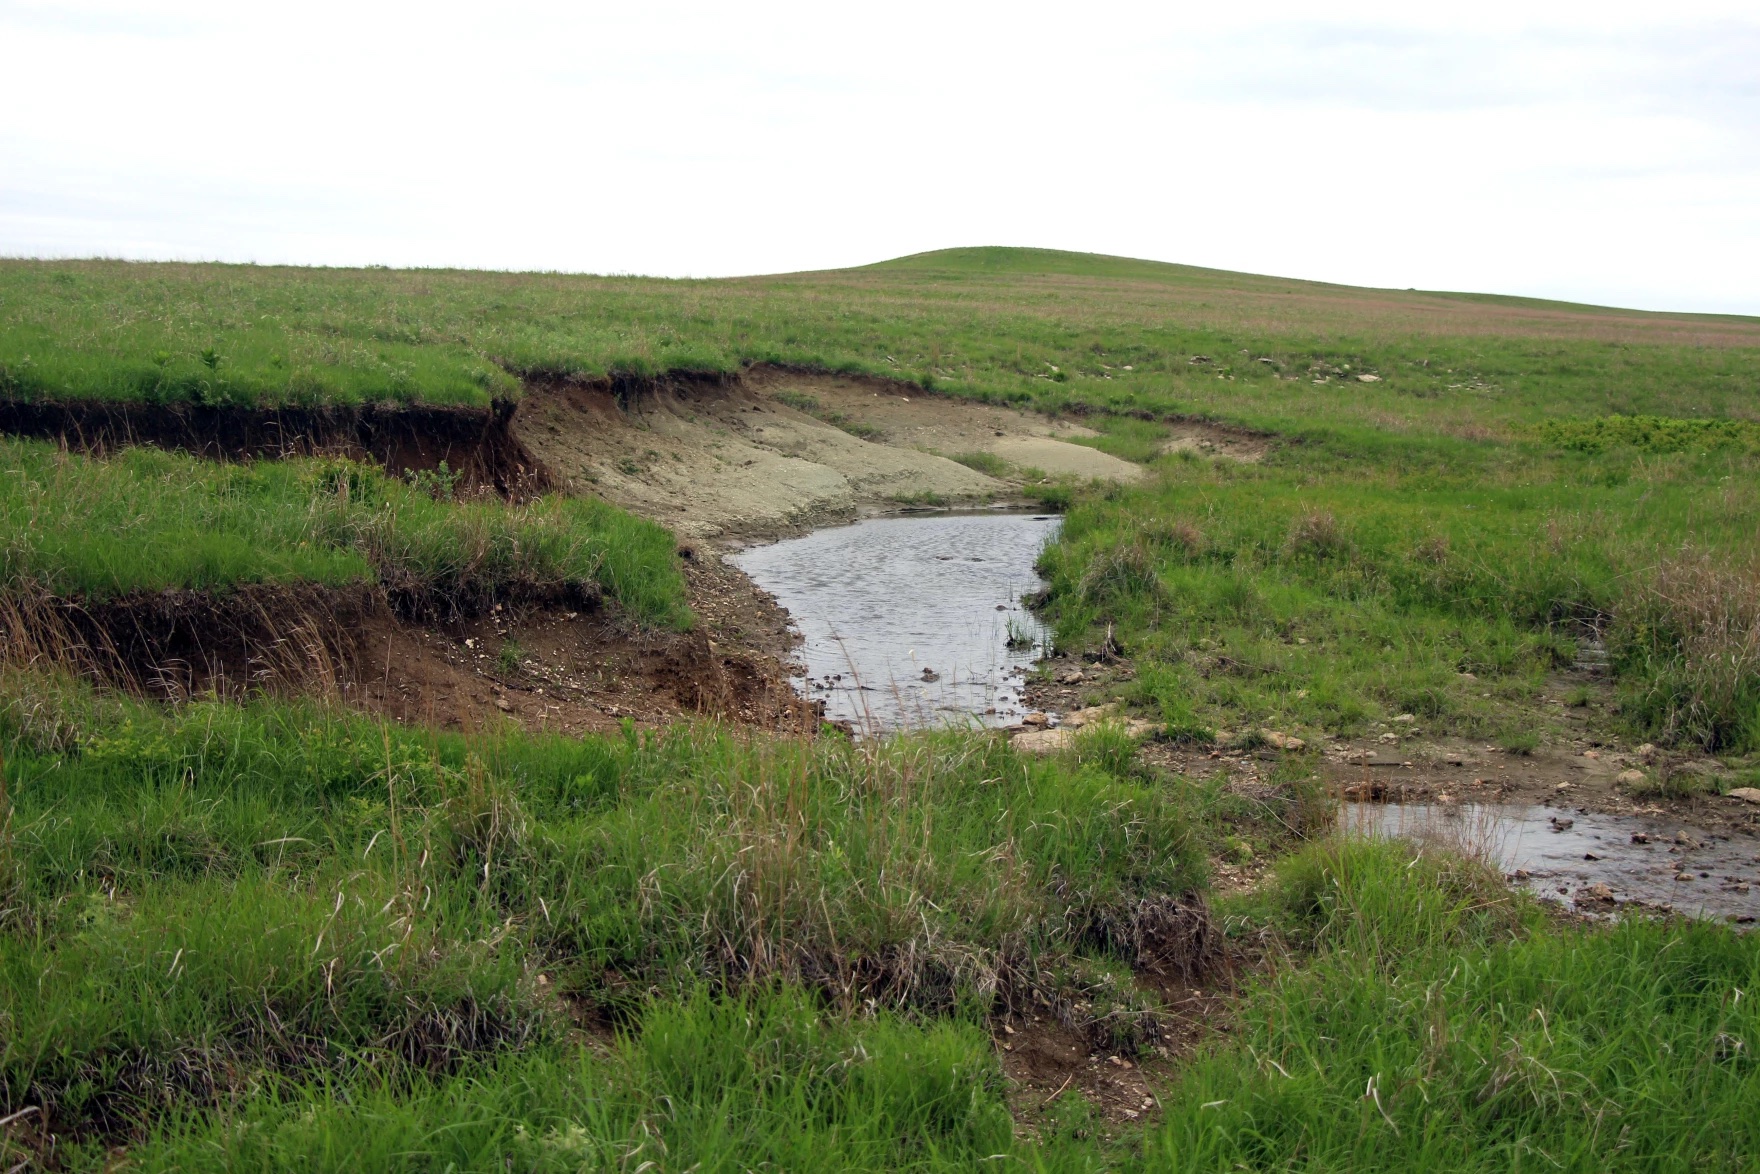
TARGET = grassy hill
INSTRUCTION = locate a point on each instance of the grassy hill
(267, 931)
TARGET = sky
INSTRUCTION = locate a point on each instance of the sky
(1605, 152)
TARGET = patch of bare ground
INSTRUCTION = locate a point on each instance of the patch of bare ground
(1046, 1062)
(773, 452)
(569, 665)
(573, 672)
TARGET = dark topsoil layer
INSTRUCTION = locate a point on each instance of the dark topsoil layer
(476, 443)
(551, 658)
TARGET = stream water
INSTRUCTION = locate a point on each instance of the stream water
(915, 621)
(1655, 862)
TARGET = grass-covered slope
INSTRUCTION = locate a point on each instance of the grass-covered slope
(1027, 325)
(144, 520)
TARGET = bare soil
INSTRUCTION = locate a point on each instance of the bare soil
(572, 672)
(776, 452)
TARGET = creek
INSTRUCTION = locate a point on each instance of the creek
(914, 621)
(1649, 861)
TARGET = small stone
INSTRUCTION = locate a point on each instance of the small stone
(1406, 717)
(1647, 752)
(502, 705)
(1591, 754)
(1629, 778)
(1036, 719)
(1282, 741)
(1746, 794)
(1071, 677)
(1597, 893)
(1368, 379)
(1683, 876)
(1561, 825)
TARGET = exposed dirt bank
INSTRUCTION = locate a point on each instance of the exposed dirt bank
(774, 452)
(476, 443)
(554, 662)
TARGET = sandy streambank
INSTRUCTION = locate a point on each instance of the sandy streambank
(771, 452)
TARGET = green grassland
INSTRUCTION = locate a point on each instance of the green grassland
(99, 529)
(272, 935)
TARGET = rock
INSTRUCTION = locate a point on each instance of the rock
(1035, 719)
(1561, 825)
(1368, 379)
(1647, 752)
(1390, 737)
(1282, 741)
(1078, 718)
(1071, 677)
(1746, 794)
(1597, 894)
(1629, 778)
(1591, 754)
(1683, 876)
(1043, 741)
(1405, 717)
(502, 705)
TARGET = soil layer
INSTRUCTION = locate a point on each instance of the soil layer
(475, 443)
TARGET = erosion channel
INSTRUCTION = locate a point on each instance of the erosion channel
(912, 621)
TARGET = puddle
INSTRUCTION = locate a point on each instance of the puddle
(907, 621)
(1556, 854)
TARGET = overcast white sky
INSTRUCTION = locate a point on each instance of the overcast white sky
(1605, 152)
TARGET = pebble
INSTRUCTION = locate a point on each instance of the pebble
(1746, 794)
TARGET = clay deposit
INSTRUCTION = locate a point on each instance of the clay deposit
(775, 452)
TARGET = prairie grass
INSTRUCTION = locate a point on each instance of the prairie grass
(1440, 1022)
(145, 520)
(767, 1080)
(213, 895)
(1332, 592)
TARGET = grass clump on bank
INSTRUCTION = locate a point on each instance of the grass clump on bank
(204, 899)
(1442, 1023)
(145, 521)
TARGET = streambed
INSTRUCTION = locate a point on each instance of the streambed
(1561, 855)
(913, 621)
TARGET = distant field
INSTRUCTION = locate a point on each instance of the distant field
(1025, 325)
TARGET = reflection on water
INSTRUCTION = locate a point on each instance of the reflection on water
(907, 621)
(1560, 855)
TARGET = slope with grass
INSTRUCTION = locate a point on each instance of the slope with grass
(239, 929)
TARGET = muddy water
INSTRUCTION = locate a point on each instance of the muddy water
(906, 621)
(1657, 863)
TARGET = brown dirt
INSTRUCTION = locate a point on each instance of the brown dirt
(579, 666)
(476, 443)
(582, 672)
(1046, 1062)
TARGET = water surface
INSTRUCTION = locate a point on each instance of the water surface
(1657, 862)
(906, 621)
